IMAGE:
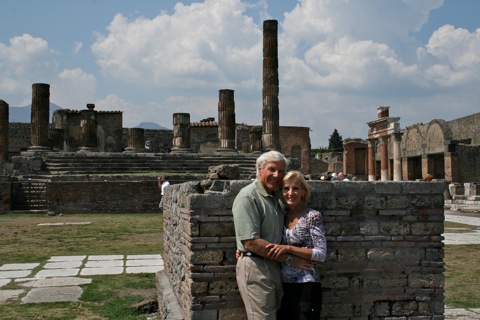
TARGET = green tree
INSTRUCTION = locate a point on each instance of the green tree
(335, 142)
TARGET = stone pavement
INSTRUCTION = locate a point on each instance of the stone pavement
(61, 277)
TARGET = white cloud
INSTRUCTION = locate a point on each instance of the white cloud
(24, 61)
(203, 45)
(73, 89)
(77, 47)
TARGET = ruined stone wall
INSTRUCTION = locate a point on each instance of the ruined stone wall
(5, 196)
(156, 141)
(103, 196)
(204, 139)
(466, 128)
(385, 250)
(18, 138)
(295, 143)
(469, 162)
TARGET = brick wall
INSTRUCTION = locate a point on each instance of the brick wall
(103, 196)
(385, 250)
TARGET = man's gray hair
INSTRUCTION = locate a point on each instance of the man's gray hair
(271, 156)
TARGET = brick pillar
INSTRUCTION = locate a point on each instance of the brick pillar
(226, 120)
(4, 124)
(40, 117)
(136, 140)
(270, 114)
(181, 132)
(371, 159)
(88, 129)
(397, 158)
(451, 167)
(384, 159)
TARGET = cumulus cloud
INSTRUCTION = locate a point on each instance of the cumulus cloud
(25, 60)
(73, 89)
(200, 45)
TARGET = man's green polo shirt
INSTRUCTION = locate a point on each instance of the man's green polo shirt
(257, 214)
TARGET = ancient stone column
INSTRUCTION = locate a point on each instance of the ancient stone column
(40, 117)
(181, 132)
(136, 140)
(270, 113)
(397, 159)
(255, 139)
(226, 121)
(383, 159)
(4, 124)
(88, 129)
(371, 159)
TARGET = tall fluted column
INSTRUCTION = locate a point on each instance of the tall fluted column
(136, 140)
(371, 159)
(226, 121)
(40, 117)
(88, 129)
(270, 114)
(181, 132)
(397, 160)
(383, 159)
(4, 124)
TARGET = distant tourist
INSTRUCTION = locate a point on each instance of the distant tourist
(162, 183)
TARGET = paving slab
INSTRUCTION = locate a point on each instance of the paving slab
(103, 263)
(462, 314)
(64, 223)
(4, 282)
(53, 294)
(101, 271)
(144, 256)
(51, 273)
(19, 266)
(462, 238)
(63, 265)
(144, 262)
(14, 274)
(56, 282)
(144, 269)
(66, 258)
(106, 257)
(7, 295)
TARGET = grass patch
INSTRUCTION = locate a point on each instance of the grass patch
(462, 276)
(23, 240)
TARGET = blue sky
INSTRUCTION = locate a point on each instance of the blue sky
(339, 60)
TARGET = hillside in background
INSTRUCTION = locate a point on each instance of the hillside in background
(23, 114)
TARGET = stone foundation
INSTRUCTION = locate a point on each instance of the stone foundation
(385, 250)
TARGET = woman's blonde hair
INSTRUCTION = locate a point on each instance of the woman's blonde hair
(297, 175)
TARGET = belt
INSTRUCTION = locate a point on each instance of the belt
(250, 254)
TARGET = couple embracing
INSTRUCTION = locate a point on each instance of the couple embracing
(279, 241)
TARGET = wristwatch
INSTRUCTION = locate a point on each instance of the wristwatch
(289, 260)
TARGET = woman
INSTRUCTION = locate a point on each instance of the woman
(304, 236)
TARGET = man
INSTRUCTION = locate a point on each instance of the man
(162, 184)
(258, 215)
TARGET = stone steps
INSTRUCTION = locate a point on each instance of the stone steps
(110, 163)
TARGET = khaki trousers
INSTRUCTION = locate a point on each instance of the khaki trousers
(260, 286)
